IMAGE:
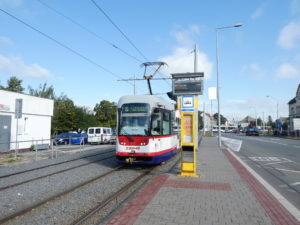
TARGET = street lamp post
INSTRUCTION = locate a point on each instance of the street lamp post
(218, 89)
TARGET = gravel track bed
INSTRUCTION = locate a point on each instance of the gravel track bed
(48, 170)
(62, 156)
(19, 196)
(65, 209)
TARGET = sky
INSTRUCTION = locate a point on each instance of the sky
(84, 48)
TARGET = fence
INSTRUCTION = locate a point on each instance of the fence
(35, 145)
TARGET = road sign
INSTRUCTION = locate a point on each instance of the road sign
(18, 108)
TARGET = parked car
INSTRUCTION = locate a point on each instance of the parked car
(252, 131)
(63, 138)
(284, 133)
(79, 138)
(113, 138)
(99, 135)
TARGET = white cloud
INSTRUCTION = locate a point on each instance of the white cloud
(181, 59)
(289, 35)
(254, 107)
(254, 71)
(258, 12)
(12, 3)
(295, 7)
(15, 66)
(5, 41)
(287, 71)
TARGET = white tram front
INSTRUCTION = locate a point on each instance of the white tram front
(145, 134)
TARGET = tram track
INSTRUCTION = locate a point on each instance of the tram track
(41, 211)
(54, 173)
(53, 164)
(126, 188)
(55, 196)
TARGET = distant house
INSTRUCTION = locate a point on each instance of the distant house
(210, 121)
(294, 114)
(245, 122)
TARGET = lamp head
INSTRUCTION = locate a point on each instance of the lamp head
(238, 25)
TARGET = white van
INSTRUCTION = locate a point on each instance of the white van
(99, 135)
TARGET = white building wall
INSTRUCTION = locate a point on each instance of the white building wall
(35, 123)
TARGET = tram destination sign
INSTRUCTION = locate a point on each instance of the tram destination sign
(187, 83)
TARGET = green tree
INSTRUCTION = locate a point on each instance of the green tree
(14, 84)
(200, 120)
(85, 118)
(106, 113)
(270, 122)
(43, 91)
(259, 122)
(223, 119)
(64, 116)
(285, 125)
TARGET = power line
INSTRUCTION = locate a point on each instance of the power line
(61, 44)
(88, 30)
(126, 37)
(115, 25)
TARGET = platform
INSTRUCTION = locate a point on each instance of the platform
(225, 193)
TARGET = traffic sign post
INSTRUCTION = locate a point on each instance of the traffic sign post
(187, 87)
(18, 115)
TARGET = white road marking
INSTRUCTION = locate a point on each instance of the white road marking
(292, 171)
(295, 184)
(286, 161)
(290, 207)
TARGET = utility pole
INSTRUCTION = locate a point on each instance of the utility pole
(134, 91)
(195, 59)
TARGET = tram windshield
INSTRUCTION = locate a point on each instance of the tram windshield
(134, 119)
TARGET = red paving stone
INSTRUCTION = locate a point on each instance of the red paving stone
(278, 214)
(198, 185)
(130, 212)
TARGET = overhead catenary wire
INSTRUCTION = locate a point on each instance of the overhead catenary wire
(88, 30)
(62, 45)
(119, 29)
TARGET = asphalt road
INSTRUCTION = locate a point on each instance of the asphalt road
(275, 159)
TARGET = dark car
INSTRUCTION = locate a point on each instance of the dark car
(63, 138)
(284, 133)
(252, 131)
(79, 138)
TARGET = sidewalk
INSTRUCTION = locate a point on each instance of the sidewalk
(225, 193)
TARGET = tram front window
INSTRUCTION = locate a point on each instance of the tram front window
(134, 119)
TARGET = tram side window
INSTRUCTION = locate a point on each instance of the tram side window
(156, 128)
(166, 123)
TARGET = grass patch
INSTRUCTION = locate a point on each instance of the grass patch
(208, 135)
(11, 158)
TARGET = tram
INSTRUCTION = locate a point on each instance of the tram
(145, 134)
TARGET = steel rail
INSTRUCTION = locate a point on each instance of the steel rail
(41, 202)
(54, 164)
(54, 173)
(115, 195)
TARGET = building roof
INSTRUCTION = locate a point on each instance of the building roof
(292, 101)
(247, 119)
